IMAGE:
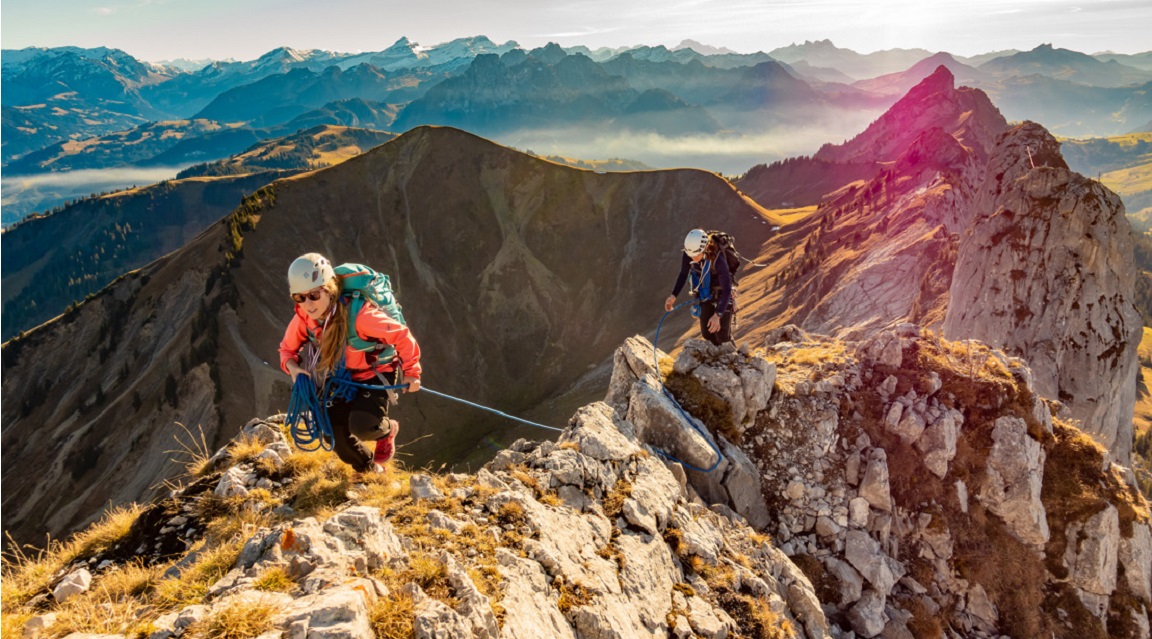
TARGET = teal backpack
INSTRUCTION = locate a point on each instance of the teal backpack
(359, 282)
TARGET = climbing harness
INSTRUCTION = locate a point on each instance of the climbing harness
(688, 418)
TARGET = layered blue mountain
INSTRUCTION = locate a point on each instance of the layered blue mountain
(1064, 64)
(279, 98)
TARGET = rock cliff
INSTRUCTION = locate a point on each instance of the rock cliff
(1045, 272)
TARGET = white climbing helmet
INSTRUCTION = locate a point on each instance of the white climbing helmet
(309, 271)
(695, 242)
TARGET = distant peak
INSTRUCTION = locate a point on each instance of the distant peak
(940, 80)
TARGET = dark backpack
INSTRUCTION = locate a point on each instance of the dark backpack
(727, 245)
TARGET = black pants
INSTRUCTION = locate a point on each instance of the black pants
(363, 419)
(707, 310)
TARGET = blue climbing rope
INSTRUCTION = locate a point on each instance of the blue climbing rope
(689, 419)
(307, 417)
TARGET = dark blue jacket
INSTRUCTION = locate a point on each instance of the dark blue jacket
(717, 281)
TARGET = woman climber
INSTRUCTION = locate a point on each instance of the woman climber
(318, 343)
(711, 285)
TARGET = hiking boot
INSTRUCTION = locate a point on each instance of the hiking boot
(386, 446)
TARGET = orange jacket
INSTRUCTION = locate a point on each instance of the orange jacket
(372, 324)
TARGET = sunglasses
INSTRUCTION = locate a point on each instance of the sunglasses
(300, 298)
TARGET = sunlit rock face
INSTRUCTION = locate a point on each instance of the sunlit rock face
(1045, 272)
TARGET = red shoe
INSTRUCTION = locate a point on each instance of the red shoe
(385, 447)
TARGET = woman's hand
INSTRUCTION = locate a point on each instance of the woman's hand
(670, 303)
(294, 370)
(714, 324)
(413, 386)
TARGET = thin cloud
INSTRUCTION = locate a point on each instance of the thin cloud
(103, 11)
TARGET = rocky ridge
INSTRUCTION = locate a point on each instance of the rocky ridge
(898, 486)
(925, 487)
(588, 536)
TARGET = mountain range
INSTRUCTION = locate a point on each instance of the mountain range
(69, 94)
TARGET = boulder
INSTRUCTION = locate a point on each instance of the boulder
(867, 616)
(1136, 557)
(938, 443)
(421, 487)
(874, 487)
(865, 555)
(73, 583)
(1015, 475)
(1092, 552)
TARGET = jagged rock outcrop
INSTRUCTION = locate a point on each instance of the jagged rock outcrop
(591, 536)
(1045, 272)
(924, 485)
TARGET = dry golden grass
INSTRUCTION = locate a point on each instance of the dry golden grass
(808, 356)
(12, 623)
(614, 500)
(788, 216)
(211, 564)
(274, 579)
(194, 452)
(95, 615)
(28, 572)
(130, 580)
(572, 594)
(322, 482)
(245, 449)
(237, 619)
(393, 617)
(766, 624)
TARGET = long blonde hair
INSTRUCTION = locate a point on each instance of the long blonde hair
(335, 335)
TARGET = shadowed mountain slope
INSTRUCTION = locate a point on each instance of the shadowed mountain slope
(56, 260)
(517, 275)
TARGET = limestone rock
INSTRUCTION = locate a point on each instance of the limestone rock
(1136, 557)
(1015, 475)
(1045, 269)
(867, 616)
(874, 487)
(39, 624)
(661, 424)
(529, 602)
(235, 481)
(1093, 550)
(938, 443)
(73, 583)
(634, 360)
(863, 552)
(421, 487)
(336, 613)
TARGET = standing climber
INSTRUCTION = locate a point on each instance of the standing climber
(319, 343)
(711, 285)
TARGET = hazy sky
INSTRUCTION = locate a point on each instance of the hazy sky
(245, 29)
